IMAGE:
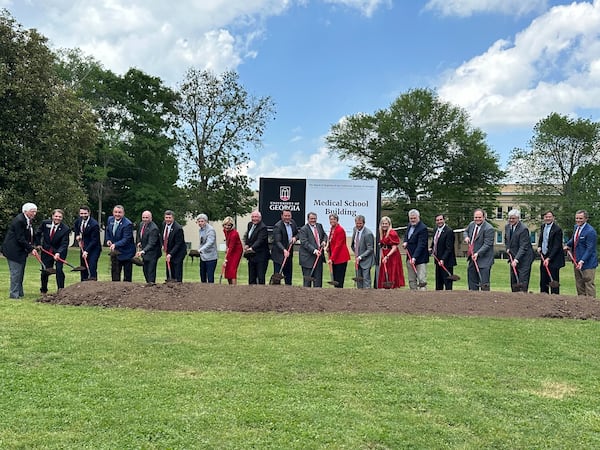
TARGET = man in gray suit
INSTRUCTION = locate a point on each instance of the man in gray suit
(148, 246)
(363, 244)
(518, 247)
(479, 236)
(208, 249)
(312, 241)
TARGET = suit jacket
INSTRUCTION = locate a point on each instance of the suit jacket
(366, 247)
(483, 244)
(18, 242)
(444, 249)
(417, 243)
(175, 243)
(259, 241)
(122, 237)
(519, 243)
(338, 248)
(308, 245)
(90, 236)
(585, 250)
(149, 241)
(281, 241)
(59, 242)
(555, 252)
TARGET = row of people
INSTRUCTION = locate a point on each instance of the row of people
(49, 244)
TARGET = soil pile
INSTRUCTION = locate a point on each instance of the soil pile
(292, 299)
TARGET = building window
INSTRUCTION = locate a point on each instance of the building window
(499, 212)
(533, 237)
(498, 237)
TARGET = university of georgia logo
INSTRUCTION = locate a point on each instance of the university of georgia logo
(285, 192)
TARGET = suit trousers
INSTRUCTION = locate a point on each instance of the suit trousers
(442, 280)
(313, 278)
(207, 271)
(257, 270)
(339, 273)
(415, 278)
(585, 282)
(92, 263)
(474, 281)
(17, 274)
(545, 279)
(365, 274)
(149, 269)
(117, 266)
(287, 270)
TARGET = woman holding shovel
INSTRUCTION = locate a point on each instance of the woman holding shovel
(339, 255)
(233, 252)
(391, 273)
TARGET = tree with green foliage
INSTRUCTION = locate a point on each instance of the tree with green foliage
(560, 168)
(219, 120)
(46, 132)
(134, 162)
(425, 155)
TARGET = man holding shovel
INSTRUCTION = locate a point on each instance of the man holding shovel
(87, 234)
(584, 254)
(417, 253)
(520, 252)
(479, 236)
(312, 242)
(442, 249)
(148, 246)
(119, 238)
(53, 236)
(285, 233)
(550, 248)
(363, 246)
(17, 245)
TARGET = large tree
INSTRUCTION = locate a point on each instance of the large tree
(219, 122)
(46, 132)
(560, 166)
(134, 163)
(425, 155)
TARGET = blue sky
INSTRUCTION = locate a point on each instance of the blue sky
(508, 63)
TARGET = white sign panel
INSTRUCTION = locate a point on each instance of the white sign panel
(346, 198)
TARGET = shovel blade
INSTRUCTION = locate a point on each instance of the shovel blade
(388, 285)
(275, 279)
(454, 278)
(49, 271)
(333, 283)
(79, 269)
(554, 284)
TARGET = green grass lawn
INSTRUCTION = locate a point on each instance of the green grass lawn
(79, 377)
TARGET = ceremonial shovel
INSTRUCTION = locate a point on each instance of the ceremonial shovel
(73, 268)
(553, 283)
(278, 276)
(451, 276)
(358, 279)
(49, 271)
(518, 285)
(413, 265)
(387, 284)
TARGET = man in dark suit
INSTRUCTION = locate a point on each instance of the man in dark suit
(479, 236)
(284, 237)
(256, 249)
(312, 242)
(148, 246)
(87, 234)
(363, 245)
(442, 248)
(550, 247)
(521, 255)
(18, 243)
(583, 243)
(119, 238)
(415, 242)
(173, 244)
(53, 236)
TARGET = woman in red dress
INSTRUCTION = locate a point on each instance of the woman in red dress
(390, 257)
(233, 252)
(339, 255)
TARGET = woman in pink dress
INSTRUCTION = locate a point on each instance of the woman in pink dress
(391, 261)
(233, 252)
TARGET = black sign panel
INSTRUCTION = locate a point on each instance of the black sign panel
(277, 194)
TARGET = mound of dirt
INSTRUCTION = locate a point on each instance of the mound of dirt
(290, 299)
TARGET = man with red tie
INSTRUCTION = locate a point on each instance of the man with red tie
(173, 244)
(53, 236)
(479, 236)
(312, 241)
(87, 234)
(584, 254)
(442, 249)
(148, 246)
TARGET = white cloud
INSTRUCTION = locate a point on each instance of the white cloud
(366, 7)
(466, 8)
(551, 66)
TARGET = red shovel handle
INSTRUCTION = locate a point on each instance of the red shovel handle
(58, 258)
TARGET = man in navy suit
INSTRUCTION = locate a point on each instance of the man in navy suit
(415, 242)
(550, 247)
(119, 238)
(256, 249)
(18, 243)
(149, 246)
(284, 236)
(585, 254)
(87, 234)
(442, 248)
(173, 244)
(53, 236)
(518, 246)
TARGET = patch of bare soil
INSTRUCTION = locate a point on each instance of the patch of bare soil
(292, 299)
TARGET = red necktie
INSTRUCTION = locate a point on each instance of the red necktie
(435, 240)
(166, 239)
(52, 231)
(142, 230)
(575, 240)
(316, 235)
(472, 244)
